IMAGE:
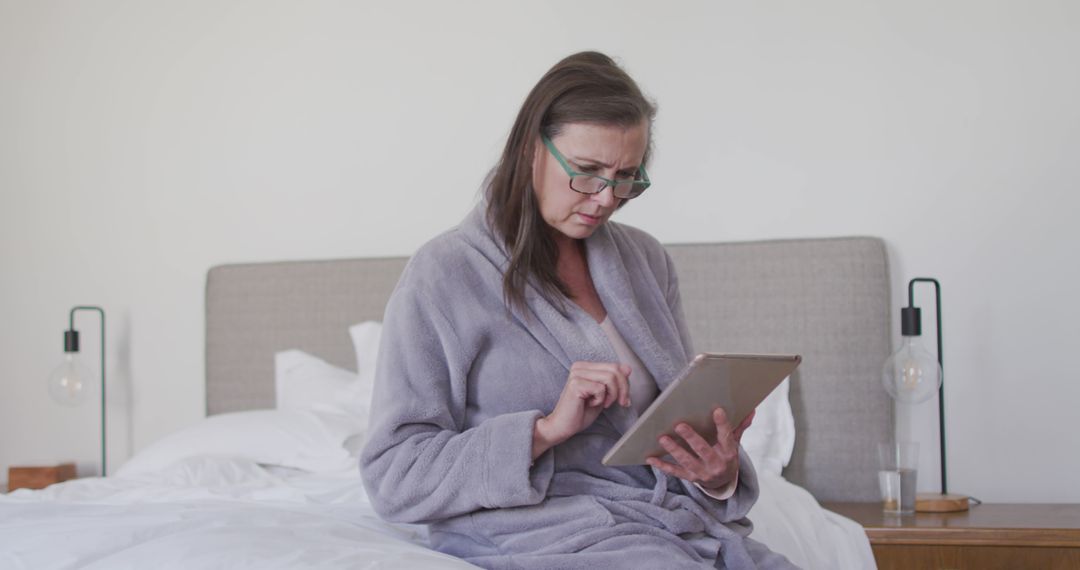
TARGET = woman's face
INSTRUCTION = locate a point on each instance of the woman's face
(613, 152)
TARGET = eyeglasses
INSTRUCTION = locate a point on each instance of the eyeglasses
(593, 184)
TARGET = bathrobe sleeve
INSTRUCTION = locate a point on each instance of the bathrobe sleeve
(420, 464)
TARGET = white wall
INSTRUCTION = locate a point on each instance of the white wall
(143, 142)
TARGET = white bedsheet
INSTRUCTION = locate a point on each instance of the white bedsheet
(213, 512)
(790, 521)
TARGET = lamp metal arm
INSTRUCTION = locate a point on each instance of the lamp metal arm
(941, 363)
(71, 328)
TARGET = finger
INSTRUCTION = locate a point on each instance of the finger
(670, 468)
(621, 374)
(594, 393)
(723, 423)
(720, 418)
(749, 419)
(608, 380)
(680, 454)
(704, 451)
(618, 388)
(613, 367)
(725, 435)
(599, 400)
(744, 425)
(600, 396)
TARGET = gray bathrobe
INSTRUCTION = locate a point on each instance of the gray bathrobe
(461, 381)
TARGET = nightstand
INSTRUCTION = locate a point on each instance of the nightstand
(39, 477)
(987, 537)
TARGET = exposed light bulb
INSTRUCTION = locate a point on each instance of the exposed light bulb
(911, 375)
(68, 382)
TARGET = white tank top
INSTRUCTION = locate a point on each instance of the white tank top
(643, 388)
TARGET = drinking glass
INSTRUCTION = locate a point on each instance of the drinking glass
(897, 474)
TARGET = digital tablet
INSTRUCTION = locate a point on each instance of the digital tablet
(735, 382)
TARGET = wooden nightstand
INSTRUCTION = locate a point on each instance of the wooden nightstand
(39, 477)
(987, 537)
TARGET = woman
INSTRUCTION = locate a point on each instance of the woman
(519, 346)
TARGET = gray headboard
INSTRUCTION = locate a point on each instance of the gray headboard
(826, 299)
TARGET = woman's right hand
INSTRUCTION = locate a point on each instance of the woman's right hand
(591, 387)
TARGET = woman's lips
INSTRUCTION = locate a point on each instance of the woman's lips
(591, 220)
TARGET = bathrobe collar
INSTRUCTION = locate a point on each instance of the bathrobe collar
(569, 333)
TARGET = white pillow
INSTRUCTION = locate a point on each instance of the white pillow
(365, 338)
(770, 440)
(305, 382)
(299, 439)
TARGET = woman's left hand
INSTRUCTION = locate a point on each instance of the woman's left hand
(711, 466)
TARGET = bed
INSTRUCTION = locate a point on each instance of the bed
(269, 478)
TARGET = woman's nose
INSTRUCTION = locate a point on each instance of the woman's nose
(606, 197)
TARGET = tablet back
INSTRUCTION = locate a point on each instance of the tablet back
(735, 382)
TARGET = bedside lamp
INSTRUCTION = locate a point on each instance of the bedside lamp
(68, 381)
(911, 375)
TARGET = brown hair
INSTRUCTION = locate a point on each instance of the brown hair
(587, 87)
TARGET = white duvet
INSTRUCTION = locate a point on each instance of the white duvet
(207, 512)
(228, 512)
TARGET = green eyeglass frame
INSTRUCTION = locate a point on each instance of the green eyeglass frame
(593, 184)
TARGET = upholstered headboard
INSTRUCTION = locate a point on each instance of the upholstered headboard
(826, 299)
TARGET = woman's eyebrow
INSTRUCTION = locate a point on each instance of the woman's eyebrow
(592, 162)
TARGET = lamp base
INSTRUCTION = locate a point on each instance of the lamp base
(938, 503)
